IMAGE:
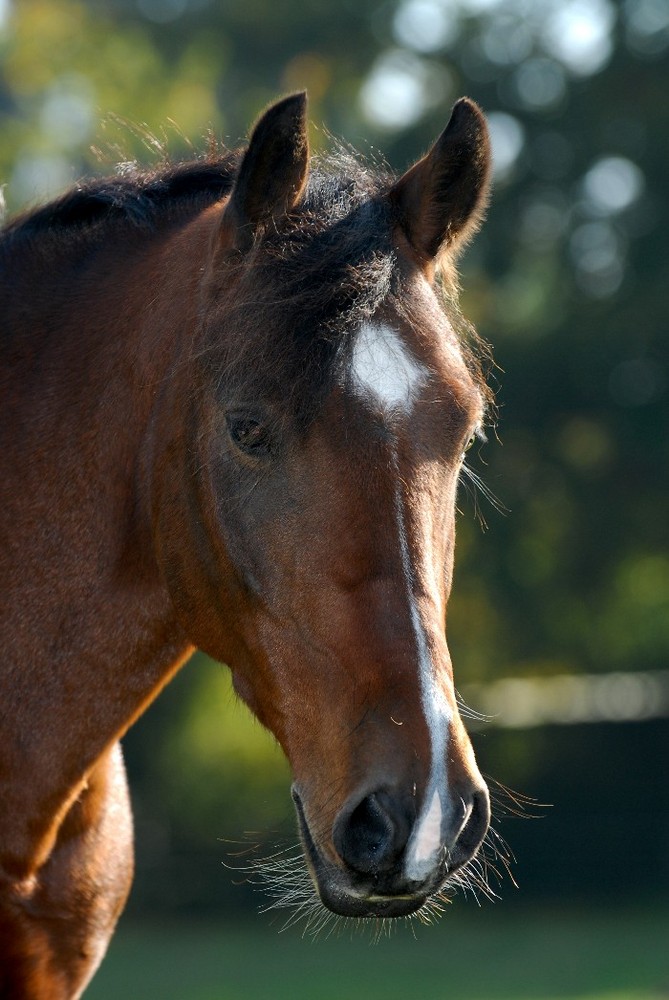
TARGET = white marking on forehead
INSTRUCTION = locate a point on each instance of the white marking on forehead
(383, 368)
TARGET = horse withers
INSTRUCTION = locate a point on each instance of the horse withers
(234, 412)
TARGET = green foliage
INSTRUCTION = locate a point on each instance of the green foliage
(218, 766)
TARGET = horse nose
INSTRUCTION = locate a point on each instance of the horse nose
(371, 836)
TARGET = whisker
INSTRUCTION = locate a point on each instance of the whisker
(475, 485)
(511, 803)
(282, 876)
(470, 713)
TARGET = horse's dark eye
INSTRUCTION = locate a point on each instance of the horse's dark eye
(477, 435)
(250, 434)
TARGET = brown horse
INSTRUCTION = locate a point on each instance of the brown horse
(234, 410)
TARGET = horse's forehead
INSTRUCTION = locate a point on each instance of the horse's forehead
(391, 368)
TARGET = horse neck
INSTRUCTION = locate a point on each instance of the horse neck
(91, 338)
(93, 331)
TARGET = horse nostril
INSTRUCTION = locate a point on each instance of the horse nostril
(473, 831)
(372, 836)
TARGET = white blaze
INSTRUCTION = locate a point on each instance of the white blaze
(427, 838)
(382, 368)
(425, 841)
(384, 373)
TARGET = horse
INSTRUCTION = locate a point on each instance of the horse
(236, 396)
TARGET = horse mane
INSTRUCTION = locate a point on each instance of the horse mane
(331, 264)
(311, 279)
(136, 196)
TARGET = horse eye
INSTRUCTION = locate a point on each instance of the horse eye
(249, 433)
(478, 435)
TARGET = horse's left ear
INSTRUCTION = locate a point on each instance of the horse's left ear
(440, 201)
(273, 171)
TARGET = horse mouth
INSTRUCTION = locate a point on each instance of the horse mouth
(344, 893)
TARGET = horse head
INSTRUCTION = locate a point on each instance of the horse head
(325, 419)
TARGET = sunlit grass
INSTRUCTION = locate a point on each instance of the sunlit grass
(497, 953)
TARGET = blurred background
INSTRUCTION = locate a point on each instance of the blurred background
(559, 621)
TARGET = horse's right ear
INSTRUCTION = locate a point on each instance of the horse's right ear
(273, 172)
(440, 201)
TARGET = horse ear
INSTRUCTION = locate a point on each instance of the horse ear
(273, 171)
(439, 202)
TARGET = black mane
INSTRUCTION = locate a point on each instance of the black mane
(307, 285)
(133, 195)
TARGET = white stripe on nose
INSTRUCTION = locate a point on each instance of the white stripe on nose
(426, 840)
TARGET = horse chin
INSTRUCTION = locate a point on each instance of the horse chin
(350, 895)
(346, 903)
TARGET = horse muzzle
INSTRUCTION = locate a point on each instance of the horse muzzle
(383, 859)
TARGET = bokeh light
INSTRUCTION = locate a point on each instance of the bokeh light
(613, 184)
(400, 89)
(425, 25)
(507, 138)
